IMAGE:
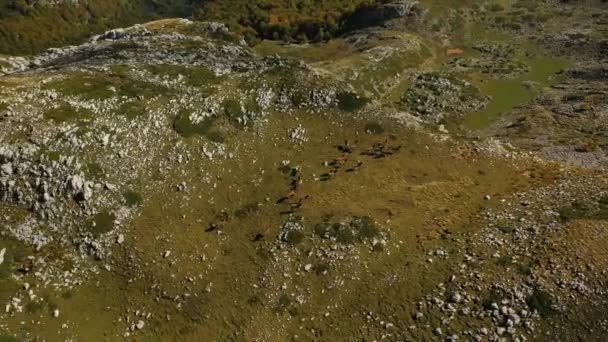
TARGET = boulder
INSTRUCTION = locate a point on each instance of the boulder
(7, 169)
(75, 183)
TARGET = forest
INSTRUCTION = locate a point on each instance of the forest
(294, 20)
(28, 27)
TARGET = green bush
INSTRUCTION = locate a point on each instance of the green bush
(497, 8)
(351, 102)
(542, 302)
(184, 126)
(132, 198)
(294, 237)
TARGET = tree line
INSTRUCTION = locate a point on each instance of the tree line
(28, 28)
(288, 20)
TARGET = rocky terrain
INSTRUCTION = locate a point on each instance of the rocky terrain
(436, 174)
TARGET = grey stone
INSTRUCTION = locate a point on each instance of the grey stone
(7, 169)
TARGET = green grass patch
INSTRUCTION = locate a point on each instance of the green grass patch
(102, 223)
(133, 109)
(7, 338)
(16, 253)
(216, 136)
(65, 113)
(241, 115)
(294, 237)
(504, 261)
(567, 214)
(233, 109)
(506, 229)
(184, 126)
(329, 51)
(100, 86)
(326, 230)
(46, 304)
(94, 170)
(54, 155)
(496, 8)
(493, 296)
(8, 287)
(282, 303)
(197, 76)
(364, 228)
(321, 268)
(67, 294)
(33, 307)
(582, 210)
(132, 198)
(374, 128)
(525, 269)
(358, 230)
(246, 210)
(542, 302)
(603, 208)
